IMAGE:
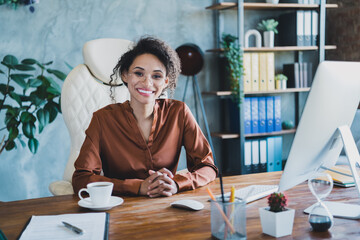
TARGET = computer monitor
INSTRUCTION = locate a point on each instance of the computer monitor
(331, 103)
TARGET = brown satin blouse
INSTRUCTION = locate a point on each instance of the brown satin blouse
(115, 144)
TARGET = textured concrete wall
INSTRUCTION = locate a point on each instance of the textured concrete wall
(343, 30)
(57, 31)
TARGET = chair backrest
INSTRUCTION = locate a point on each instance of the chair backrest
(85, 91)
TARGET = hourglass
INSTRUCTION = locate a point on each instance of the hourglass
(320, 218)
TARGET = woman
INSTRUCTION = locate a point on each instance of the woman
(137, 143)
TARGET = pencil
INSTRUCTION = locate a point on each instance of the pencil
(220, 210)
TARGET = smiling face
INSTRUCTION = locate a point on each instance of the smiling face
(146, 79)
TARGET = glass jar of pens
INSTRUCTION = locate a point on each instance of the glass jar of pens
(228, 217)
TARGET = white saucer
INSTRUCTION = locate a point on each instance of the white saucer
(114, 201)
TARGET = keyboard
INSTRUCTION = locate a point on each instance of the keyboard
(253, 192)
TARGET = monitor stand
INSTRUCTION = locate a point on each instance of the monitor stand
(345, 210)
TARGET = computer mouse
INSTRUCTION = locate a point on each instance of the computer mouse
(188, 204)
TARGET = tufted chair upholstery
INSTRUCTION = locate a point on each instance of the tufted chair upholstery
(84, 91)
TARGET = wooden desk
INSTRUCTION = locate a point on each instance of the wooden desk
(145, 218)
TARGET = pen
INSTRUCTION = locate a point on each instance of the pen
(73, 228)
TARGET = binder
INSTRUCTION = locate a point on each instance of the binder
(301, 74)
(247, 115)
(263, 155)
(255, 158)
(269, 114)
(277, 113)
(247, 157)
(288, 34)
(314, 27)
(305, 74)
(262, 114)
(292, 72)
(255, 72)
(278, 153)
(270, 145)
(263, 71)
(307, 28)
(247, 72)
(310, 73)
(254, 115)
(270, 71)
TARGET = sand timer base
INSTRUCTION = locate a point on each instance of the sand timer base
(320, 223)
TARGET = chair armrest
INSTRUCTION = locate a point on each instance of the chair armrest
(61, 188)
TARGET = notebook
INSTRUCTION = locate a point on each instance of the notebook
(94, 225)
(339, 179)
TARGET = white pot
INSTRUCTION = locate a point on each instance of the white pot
(269, 39)
(272, 1)
(277, 224)
(283, 84)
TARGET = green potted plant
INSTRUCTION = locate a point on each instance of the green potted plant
(276, 219)
(30, 97)
(280, 81)
(234, 56)
(269, 28)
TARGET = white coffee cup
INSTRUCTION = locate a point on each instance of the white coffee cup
(100, 193)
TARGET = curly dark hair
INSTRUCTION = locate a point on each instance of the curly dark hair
(149, 45)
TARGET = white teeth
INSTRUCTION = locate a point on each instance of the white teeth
(143, 91)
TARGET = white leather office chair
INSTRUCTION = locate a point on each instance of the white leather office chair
(85, 91)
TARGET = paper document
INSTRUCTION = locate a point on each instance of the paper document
(94, 226)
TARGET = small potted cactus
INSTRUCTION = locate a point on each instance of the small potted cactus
(276, 219)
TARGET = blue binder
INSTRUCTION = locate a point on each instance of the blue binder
(270, 154)
(277, 113)
(269, 114)
(262, 114)
(278, 153)
(247, 115)
(254, 115)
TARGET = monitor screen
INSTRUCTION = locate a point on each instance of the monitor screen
(331, 103)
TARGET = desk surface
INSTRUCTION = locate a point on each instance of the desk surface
(145, 218)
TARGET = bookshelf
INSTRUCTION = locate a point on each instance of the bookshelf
(234, 140)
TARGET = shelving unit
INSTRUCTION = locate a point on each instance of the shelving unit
(237, 165)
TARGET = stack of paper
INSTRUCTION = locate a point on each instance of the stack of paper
(93, 225)
(340, 179)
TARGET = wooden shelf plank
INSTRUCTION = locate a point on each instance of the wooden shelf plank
(252, 135)
(266, 6)
(282, 132)
(226, 135)
(228, 93)
(278, 49)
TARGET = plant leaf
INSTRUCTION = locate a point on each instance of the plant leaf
(29, 61)
(43, 116)
(25, 117)
(3, 88)
(10, 145)
(1, 71)
(53, 91)
(60, 75)
(28, 129)
(16, 97)
(48, 63)
(33, 145)
(9, 61)
(34, 82)
(20, 79)
(13, 133)
(24, 67)
(52, 109)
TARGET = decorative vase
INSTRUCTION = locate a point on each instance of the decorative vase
(277, 224)
(269, 39)
(272, 1)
